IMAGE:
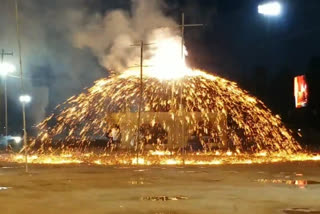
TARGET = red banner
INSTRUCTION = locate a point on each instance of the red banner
(301, 91)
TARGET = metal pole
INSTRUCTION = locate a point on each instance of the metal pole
(140, 101)
(3, 53)
(22, 89)
(25, 136)
(6, 105)
(182, 56)
(181, 88)
(182, 36)
(180, 111)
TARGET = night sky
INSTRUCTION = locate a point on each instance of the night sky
(237, 38)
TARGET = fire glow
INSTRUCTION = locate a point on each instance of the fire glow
(156, 159)
(183, 104)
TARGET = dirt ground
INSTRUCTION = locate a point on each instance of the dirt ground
(213, 189)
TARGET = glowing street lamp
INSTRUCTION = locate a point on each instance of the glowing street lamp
(6, 68)
(24, 99)
(273, 8)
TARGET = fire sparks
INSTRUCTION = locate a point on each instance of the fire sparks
(131, 159)
(215, 111)
(50, 159)
(182, 110)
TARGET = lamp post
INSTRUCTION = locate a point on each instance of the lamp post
(25, 99)
(5, 69)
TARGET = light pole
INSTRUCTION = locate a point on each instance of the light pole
(25, 99)
(5, 69)
(180, 107)
(141, 44)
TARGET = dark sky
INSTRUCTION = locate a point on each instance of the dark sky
(237, 38)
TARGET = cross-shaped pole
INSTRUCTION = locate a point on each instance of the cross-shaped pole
(4, 53)
(142, 45)
(183, 26)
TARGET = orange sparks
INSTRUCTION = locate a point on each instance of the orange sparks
(184, 111)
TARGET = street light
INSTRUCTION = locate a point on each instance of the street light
(24, 99)
(6, 68)
(273, 8)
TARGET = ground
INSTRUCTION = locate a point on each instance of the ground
(118, 189)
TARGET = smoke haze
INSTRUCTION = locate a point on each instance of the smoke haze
(66, 46)
(111, 36)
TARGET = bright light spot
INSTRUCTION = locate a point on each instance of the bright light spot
(166, 61)
(158, 152)
(316, 158)
(262, 154)
(98, 162)
(170, 162)
(17, 139)
(25, 99)
(139, 161)
(6, 68)
(5, 188)
(270, 9)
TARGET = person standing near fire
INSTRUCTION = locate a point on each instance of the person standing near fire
(115, 136)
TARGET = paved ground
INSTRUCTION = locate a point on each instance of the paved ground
(215, 189)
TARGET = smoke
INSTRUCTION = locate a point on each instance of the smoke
(66, 47)
(53, 69)
(111, 36)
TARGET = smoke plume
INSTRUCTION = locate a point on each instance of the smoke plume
(66, 46)
(111, 36)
